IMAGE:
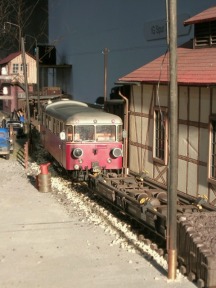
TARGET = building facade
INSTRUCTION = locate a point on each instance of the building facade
(149, 113)
(12, 80)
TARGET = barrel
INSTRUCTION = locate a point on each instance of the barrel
(44, 182)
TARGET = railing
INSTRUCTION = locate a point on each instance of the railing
(15, 78)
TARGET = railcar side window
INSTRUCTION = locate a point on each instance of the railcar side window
(57, 127)
(62, 126)
(105, 133)
(50, 123)
(43, 118)
(119, 133)
(212, 150)
(84, 133)
(47, 121)
(54, 126)
(160, 135)
(69, 133)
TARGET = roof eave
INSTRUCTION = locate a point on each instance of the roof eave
(183, 83)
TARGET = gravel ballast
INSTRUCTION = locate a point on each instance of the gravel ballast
(64, 239)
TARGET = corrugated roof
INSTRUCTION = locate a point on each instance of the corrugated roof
(195, 66)
(11, 57)
(205, 16)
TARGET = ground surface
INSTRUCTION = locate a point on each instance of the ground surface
(44, 244)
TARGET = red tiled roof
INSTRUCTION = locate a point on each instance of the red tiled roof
(195, 66)
(11, 57)
(205, 16)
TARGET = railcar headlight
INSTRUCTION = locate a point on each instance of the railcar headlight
(77, 152)
(109, 160)
(76, 167)
(116, 152)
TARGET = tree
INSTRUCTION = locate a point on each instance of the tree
(26, 17)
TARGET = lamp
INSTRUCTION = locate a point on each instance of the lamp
(10, 23)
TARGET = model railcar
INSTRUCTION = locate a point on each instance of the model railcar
(82, 139)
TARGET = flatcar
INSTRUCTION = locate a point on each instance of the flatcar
(82, 139)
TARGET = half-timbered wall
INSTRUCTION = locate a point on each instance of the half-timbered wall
(196, 105)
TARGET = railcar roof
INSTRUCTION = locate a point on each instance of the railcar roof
(74, 112)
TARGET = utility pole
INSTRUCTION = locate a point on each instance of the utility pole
(38, 86)
(26, 83)
(18, 26)
(105, 52)
(173, 143)
(37, 77)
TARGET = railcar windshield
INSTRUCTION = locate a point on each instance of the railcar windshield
(105, 133)
(84, 133)
(91, 133)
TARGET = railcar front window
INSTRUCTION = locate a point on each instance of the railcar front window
(84, 133)
(105, 133)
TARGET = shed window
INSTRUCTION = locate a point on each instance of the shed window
(22, 69)
(15, 68)
(212, 150)
(205, 34)
(160, 135)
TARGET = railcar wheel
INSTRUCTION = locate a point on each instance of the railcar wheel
(142, 198)
(200, 283)
(160, 252)
(191, 276)
(182, 269)
(166, 257)
(141, 237)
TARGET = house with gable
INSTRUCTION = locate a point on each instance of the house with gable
(149, 113)
(12, 84)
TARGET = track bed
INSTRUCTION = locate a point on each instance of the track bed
(145, 203)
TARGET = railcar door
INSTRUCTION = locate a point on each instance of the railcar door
(63, 153)
(65, 145)
(62, 143)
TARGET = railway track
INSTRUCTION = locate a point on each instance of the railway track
(146, 204)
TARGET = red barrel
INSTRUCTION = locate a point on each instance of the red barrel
(43, 180)
(44, 168)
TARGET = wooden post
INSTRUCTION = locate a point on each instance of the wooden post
(173, 144)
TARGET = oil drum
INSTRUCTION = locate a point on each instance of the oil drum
(44, 182)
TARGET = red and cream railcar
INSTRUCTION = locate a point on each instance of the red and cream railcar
(81, 138)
